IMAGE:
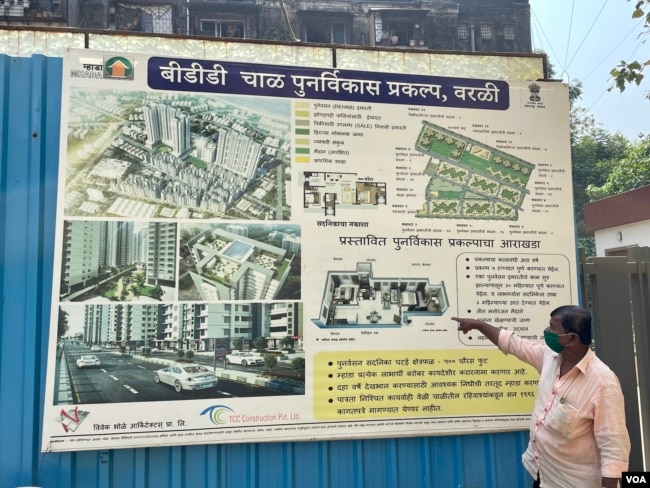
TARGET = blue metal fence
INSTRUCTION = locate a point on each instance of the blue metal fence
(30, 99)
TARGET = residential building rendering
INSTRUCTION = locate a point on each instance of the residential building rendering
(219, 265)
(105, 259)
(134, 155)
(161, 253)
(197, 326)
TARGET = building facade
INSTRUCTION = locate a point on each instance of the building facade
(199, 327)
(620, 222)
(460, 25)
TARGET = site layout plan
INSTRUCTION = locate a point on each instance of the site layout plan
(470, 180)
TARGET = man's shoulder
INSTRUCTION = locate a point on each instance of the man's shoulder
(599, 370)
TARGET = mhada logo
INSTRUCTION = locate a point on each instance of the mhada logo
(118, 67)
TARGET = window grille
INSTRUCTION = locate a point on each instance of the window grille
(486, 31)
(463, 31)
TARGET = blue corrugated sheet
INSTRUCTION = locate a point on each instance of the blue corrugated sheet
(30, 98)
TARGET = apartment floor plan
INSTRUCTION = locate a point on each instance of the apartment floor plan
(470, 180)
(357, 299)
(324, 192)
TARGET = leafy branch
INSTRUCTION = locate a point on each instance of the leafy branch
(627, 73)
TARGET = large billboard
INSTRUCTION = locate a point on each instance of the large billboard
(249, 252)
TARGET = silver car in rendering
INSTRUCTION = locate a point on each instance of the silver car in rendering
(88, 360)
(244, 358)
(186, 377)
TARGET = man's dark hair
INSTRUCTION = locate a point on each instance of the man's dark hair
(575, 319)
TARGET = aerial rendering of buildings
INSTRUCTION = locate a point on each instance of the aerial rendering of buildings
(180, 156)
(222, 265)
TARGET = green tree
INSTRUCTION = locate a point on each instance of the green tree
(287, 342)
(632, 72)
(63, 325)
(270, 361)
(260, 343)
(189, 354)
(594, 153)
(298, 364)
(157, 293)
(181, 353)
(629, 173)
(238, 343)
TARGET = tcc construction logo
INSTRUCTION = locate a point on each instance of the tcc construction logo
(218, 414)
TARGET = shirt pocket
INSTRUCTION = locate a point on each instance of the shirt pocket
(563, 419)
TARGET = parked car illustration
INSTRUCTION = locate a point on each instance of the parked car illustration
(87, 361)
(244, 358)
(186, 377)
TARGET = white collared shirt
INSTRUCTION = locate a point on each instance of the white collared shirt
(577, 432)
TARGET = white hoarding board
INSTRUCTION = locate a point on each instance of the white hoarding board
(248, 252)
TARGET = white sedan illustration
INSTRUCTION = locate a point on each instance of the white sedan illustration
(244, 358)
(186, 377)
(88, 360)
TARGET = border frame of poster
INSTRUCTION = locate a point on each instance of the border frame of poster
(229, 231)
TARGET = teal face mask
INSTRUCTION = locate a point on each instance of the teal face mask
(553, 341)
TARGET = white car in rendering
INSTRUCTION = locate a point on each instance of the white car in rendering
(244, 358)
(87, 361)
(186, 377)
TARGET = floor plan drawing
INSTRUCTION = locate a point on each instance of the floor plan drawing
(325, 192)
(357, 299)
(470, 180)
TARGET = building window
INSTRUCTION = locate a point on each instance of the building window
(486, 31)
(222, 28)
(509, 32)
(378, 29)
(325, 30)
(397, 33)
(338, 33)
(463, 31)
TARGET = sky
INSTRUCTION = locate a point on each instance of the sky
(584, 40)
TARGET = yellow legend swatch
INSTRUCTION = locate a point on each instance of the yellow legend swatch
(302, 124)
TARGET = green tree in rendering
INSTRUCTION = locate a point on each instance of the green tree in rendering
(260, 343)
(298, 365)
(270, 361)
(287, 342)
(157, 293)
(63, 326)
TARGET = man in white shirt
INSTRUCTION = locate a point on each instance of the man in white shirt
(578, 436)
